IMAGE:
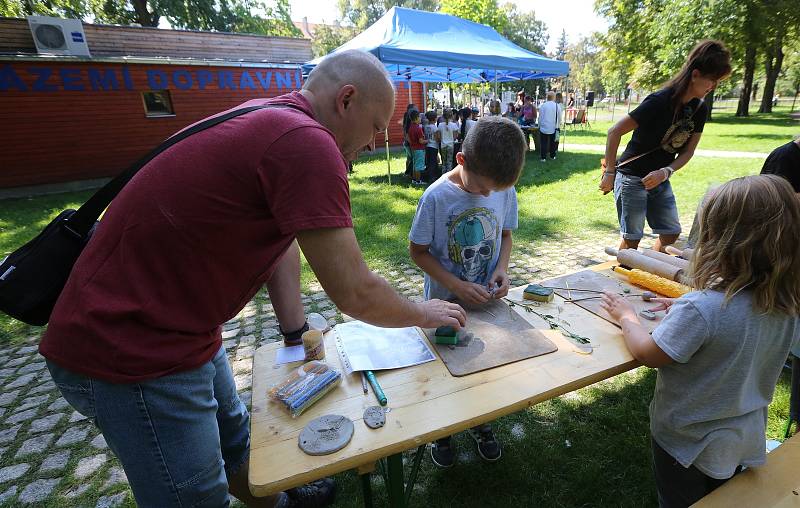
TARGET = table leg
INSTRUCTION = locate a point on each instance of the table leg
(412, 478)
(366, 489)
(397, 498)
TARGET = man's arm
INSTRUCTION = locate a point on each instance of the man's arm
(336, 259)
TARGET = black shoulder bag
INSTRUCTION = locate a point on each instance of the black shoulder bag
(33, 276)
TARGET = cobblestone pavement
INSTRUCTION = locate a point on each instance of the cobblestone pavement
(51, 455)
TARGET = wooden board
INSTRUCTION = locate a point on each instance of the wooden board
(605, 280)
(776, 484)
(495, 335)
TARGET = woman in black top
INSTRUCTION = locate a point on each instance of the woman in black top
(666, 127)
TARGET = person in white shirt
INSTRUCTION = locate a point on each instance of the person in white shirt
(448, 130)
(549, 115)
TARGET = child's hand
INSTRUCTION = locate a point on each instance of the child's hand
(663, 304)
(471, 293)
(500, 282)
(618, 307)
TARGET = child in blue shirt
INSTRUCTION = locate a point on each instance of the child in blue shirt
(461, 235)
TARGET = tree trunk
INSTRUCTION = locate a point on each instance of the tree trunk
(794, 99)
(143, 16)
(747, 84)
(755, 91)
(773, 68)
(709, 100)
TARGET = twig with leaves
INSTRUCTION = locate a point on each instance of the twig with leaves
(551, 321)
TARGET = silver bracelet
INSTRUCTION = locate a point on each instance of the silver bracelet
(669, 171)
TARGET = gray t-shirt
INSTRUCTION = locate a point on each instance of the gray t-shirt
(709, 408)
(463, 230)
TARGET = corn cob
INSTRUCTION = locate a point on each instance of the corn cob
(655, 283)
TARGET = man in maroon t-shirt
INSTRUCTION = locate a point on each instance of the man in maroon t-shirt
(134, 341)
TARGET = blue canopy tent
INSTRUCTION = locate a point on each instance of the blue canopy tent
(434, 47)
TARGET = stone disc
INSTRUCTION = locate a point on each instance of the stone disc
(374, 417)
(326, 434)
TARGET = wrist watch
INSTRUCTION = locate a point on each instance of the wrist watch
(669, 171)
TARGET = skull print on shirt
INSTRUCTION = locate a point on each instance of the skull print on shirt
(471, 243)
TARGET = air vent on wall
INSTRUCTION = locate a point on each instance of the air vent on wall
(57, 36)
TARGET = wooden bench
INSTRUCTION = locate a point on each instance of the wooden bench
(775, 484)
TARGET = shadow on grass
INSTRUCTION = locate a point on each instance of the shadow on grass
(604, 226)
(591, 450)
(779, 139)
(772, 119)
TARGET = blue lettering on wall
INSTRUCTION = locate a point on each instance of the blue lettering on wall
(54, 79)
(246, 81)
(157, 80)
(42, 74)
(265, 79)
(9, 80)
(107, 80)
(204, 78)
(283, 80)
(226, 80)
(126, 78)
(182, 80)
(71, 80)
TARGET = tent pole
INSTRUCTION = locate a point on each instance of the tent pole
(388, 162)
(495, 84)
(410, 98)
(564, 96)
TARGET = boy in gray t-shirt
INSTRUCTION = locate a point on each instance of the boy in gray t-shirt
(461, 235)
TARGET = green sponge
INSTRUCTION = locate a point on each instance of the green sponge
(538, 293)
(445, 335)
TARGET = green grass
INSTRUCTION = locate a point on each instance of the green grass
(759, 133)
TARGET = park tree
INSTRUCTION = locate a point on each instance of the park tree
(524, 30)
(329, 37)
(783, 26)
(363, 13)
(486, 12)
(563, 43)
(584, 59)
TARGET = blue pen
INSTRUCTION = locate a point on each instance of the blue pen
(376, 387)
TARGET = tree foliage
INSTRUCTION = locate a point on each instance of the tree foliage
(363, 13)
(486, 12)
(524, 30)
(329, 37)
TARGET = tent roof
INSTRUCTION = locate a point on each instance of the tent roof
(430, 46)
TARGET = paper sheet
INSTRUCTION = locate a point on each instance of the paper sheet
(366, 347)
(290, 354)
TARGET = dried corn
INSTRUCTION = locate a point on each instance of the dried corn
(655, 283)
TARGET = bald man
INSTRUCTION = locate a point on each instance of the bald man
(134, 342)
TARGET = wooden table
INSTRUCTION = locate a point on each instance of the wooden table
(426, 402)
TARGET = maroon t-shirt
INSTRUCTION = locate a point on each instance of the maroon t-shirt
(191, 239)
(415, 133)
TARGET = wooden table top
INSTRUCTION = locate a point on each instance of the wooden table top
(425, 401)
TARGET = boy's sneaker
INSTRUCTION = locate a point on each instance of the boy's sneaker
(312, 495)
(488, 446)
(443, 454)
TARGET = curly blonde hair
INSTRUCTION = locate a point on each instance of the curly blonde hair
(750, 239)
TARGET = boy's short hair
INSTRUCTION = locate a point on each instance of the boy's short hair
(448, 114)
(495, 148)
(431, 116)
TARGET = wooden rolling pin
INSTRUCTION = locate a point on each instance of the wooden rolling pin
(635, 259)
(679, 262)
(685, 253)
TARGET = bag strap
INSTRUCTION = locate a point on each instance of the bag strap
(84, 218)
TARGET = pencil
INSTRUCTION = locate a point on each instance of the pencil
(364, 382)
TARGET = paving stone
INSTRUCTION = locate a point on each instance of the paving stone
(244, 352)
(230, 325)
(89, 465)
(23, 380)
(17, 361)
(8, 397)
(13, 472)
(227, 334)
(229, 344)
(247, 340)
(59, 403)
(32, 402)
(44, 387)
(8, 435)
(31, 367)
(246, 398)
(76, 490)
(46, 423)
(34, 445)
(116, 475)
(111, 501)
(249, 329)
(99, 442)
(26, 350)
(76, 417)
(329, 313)
(22, 416)
(3, 450)
(38, 490)
(8, 494)
(240, 366)
(269, 332)
(72, 435)
(4, 373)
(243, 382)
(56, 461)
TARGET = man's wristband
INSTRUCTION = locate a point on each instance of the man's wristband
(669, 171)
(609, 172)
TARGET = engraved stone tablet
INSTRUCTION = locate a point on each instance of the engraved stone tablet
(326, 434)
(374, 417)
